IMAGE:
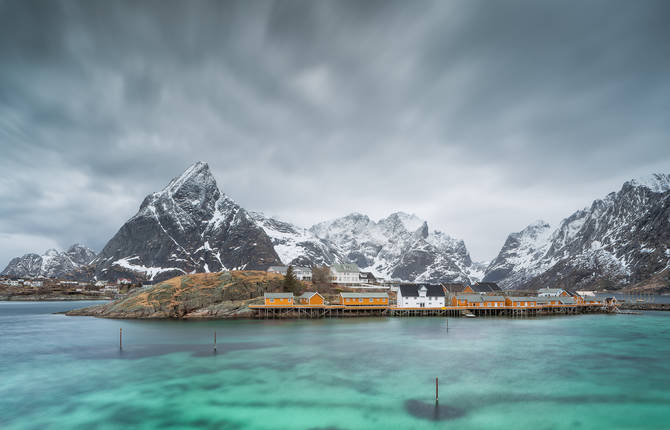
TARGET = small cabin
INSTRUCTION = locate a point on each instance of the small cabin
(311, 298)
(278, 299)
(521, 302)
(364, 299)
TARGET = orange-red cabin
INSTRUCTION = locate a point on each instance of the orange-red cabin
(311, 298)
(279, 299)
(364, 299)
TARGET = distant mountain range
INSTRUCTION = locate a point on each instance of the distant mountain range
(53, 263)
(191, 226)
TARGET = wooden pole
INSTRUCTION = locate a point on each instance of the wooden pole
(437, 391)
(120, 338)
(214, 340)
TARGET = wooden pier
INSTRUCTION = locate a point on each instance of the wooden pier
(341, 311)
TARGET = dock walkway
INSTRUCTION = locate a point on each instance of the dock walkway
(342, 311)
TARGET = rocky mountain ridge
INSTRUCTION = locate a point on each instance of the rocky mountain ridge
(188, 227)
(52, 264)
(400, 246)
(619, 240)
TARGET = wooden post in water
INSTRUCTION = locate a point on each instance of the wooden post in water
(214, 340)
(120, 338)
(447, 323)
(437, 392)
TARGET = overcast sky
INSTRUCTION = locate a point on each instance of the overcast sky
(478, 116)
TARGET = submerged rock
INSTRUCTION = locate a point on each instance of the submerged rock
(432, 411)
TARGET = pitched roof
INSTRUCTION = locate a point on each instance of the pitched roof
(412, 290)
(470, 297)
(279, 295)
(308, 295)
(363, 295)
(454, 287)
(523, 299)
(346, 267)
(485, 287)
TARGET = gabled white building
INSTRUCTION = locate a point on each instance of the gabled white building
(550, 292)
(345, 274)
(421, 296)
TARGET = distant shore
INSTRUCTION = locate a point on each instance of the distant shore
(645, 306)
(51, 298)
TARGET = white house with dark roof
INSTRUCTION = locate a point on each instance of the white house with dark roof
(420, 296)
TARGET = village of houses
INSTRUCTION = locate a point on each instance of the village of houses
(42, 288)
(348, 292)
(363, 294)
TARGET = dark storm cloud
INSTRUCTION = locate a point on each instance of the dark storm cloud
(478, 116)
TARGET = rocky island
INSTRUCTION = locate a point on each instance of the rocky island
(201, 295)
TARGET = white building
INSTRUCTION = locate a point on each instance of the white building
(346, 274)
(100, 283)
(550, 292)
(421, 296)
(14, 283)
(300, 273)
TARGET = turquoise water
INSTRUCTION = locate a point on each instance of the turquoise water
(578, 372)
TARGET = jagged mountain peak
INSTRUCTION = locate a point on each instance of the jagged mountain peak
(188, 226)
(656, 182)
(618, 239)
(53, 263)
(535, 229)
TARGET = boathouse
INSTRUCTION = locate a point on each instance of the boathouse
(364, 299)
(278, 299)
(420, 296)
(311, 298)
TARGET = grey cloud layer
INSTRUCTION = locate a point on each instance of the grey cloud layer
(479, 116)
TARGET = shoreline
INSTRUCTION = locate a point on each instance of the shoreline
(32, 298)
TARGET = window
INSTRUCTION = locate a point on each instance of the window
(360, 300)
(272, 300)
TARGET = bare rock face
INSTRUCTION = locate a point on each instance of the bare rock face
(52, 264)
(189, 226)
(620, 240)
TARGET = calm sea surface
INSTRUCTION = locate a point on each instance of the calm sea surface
(579, 372)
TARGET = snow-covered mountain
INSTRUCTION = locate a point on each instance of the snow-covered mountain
(400, 246)
(52, 264)
(296, 245)
(619, 240)
(189, 226)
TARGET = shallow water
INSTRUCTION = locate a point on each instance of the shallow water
(589, 371)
